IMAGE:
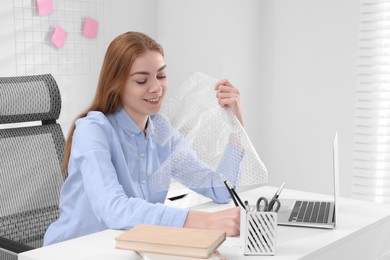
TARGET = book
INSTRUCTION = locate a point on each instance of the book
(189, 242)
(151, 256)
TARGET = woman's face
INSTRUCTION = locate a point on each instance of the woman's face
(145, 87)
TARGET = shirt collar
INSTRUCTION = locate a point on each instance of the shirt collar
(125, 122)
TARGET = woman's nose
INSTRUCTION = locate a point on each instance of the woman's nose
(155, 86)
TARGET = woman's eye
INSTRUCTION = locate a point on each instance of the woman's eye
(162, 77)
(141, 82)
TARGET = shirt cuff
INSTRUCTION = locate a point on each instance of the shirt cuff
(175, 217)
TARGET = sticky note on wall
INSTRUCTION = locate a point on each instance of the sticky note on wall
(59, 37)
(90, 27)
(45, 7)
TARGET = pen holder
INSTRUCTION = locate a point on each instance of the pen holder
(258, 232)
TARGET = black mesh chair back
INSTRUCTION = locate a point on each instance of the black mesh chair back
(31, 156)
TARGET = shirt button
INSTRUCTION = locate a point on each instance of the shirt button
(142, 155)
(132, 135)
(143, 181)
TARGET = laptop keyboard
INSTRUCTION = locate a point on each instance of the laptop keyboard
(310, 211)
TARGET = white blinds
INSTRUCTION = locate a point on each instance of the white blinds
(371, 172)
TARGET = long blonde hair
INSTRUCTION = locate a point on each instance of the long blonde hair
(120, 56)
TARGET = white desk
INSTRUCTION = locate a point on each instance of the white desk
(363, 232)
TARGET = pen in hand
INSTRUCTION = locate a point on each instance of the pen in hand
(232, 192)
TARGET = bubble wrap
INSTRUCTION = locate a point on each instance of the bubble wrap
(207, 141)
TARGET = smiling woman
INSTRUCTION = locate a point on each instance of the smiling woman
(145, 88)
(111, 153)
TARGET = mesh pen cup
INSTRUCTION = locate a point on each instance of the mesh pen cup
(258, 232)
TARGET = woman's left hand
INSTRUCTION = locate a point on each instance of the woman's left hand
(229, 97)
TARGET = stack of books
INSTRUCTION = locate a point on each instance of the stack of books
(157, 242)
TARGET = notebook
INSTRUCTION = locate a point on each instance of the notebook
(186, 242)
(313, 213)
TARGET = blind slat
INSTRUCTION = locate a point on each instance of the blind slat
(371, 148)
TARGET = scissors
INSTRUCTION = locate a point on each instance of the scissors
(273, 205)
(262, 204)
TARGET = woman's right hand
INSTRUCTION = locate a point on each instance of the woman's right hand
(225, 220)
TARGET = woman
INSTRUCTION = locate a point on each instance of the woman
(110, 154)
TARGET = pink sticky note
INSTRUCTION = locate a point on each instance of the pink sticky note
(59, 37)
(45, 7)
(90, 27)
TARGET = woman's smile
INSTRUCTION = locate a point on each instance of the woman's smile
(153, 100)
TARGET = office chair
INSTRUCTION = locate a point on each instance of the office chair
(31, 156)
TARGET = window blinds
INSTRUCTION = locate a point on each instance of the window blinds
(371, 155)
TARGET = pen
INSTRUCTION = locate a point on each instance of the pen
(232, 192)
(275, 197)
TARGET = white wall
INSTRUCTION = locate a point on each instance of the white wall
(293, 61)
(308, 80)
(7, 41)
(77, 91)
(220, 38)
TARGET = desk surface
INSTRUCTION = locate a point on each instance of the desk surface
(362, 233)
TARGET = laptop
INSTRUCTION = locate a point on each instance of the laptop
(313, 213)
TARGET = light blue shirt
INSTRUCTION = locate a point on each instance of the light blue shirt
(110, 169)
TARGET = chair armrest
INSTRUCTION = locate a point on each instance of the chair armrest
(14, 246)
